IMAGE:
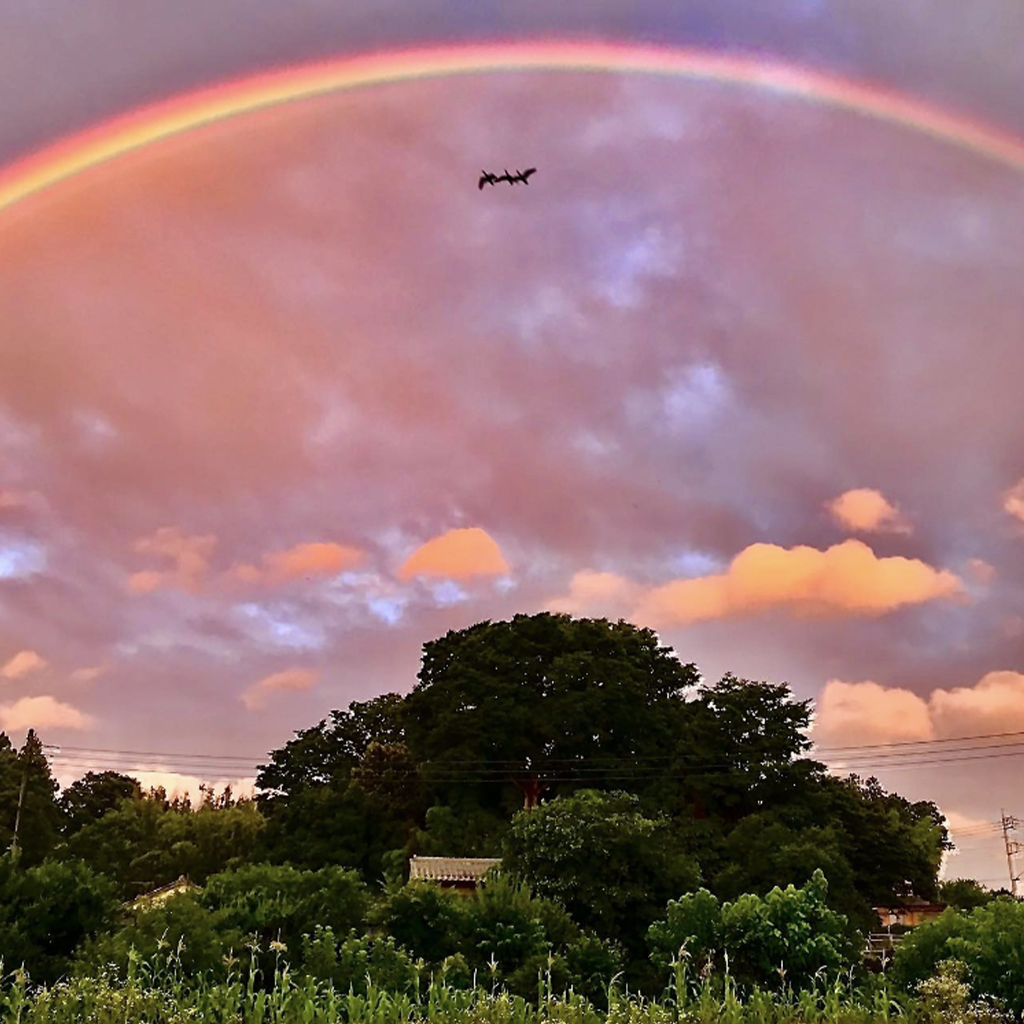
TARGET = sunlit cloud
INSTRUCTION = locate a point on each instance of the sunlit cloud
(23, 663)
(868, 712)
(190, 556)
(458, 554)
(845, 579)
(43, 712)
(865, 510)
(290, 679)
(311, 559)
(596, 594)
(1013, 500)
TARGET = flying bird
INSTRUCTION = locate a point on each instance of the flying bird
(486, 178)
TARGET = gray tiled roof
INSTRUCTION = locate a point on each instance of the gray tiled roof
(451, 869)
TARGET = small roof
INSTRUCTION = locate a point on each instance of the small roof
(158, 895)
(451, 869)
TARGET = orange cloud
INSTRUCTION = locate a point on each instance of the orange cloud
(1013, 500)
(42, 713)
(458, 555)
(312, 559)
(845, 579)
(596, 594)
(995, 703)
(190, 555)
(867, 712)
(864, 510)
(22, 664)
(289, 679)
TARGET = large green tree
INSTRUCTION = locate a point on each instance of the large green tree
(742, 749)
(544, 702)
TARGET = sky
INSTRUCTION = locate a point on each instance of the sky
(285, 396)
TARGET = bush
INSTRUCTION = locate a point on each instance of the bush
(989, 941)
(783, 938)
(356, 962)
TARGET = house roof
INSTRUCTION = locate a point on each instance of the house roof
(156, 895)
(451, 869)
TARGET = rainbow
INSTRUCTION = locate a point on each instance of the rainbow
(110, 139)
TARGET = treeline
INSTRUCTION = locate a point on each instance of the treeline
(608, 776)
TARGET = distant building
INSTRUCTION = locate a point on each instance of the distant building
(148, 900)
(913, 911)
(463, 874)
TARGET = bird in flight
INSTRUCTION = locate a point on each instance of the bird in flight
(487, 178)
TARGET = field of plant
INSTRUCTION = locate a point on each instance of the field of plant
(158, 991)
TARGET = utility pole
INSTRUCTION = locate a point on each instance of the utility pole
(17, 816)
(1009, 823)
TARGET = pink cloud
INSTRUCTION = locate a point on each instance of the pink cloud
(865, 510)
(256, 696)
(596, 594)
(190, 556)
(868, 712)
(981, 570)
(458, 555)
(87, 674)
(1013, 500)
(43, 713)
(22, 664)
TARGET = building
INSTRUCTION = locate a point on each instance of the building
(148, 900)
(463, 874)
(913, 911)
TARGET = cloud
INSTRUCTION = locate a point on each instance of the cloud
(994, 704)
(981, 570)
(596, 594)
(1013, 500)
(868, 712)
(457, 554)
(42, 713)
(175, 784)
(190, 555)
(87, 674)
(845, 579)
(864, 510)
(311, 559)
(27, 500)
(256, 696)
(22, 664)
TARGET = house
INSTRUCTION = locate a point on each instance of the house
(463, 874)
(148, 900)
(913, 911)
